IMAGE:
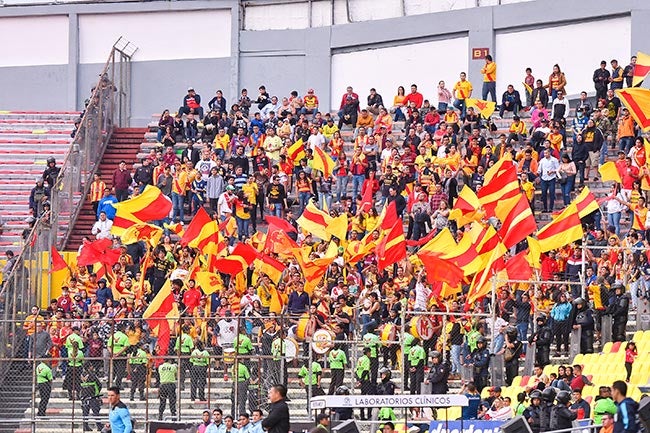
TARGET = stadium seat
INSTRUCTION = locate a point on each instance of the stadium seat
(517, 381)
(607, 347)
(616, 346)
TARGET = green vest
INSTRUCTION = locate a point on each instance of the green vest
(200, 358)
(408, 342)
(76, 361)
(94, 385)
(363, 368)
(139, 358)
(242, 372)
(372, 341)
(243, 344)
(118, 342)
(337, 359)
(167, 372)
(74, 337)
(186, 344)
(386, 414)
(416, 355)
(316, 370)
(43, 373)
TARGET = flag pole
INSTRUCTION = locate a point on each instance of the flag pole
(583, 265)
(494, 308)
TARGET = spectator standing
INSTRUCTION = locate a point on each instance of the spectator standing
(625, 421)
(601, 80)
(548, 167)
(97, 188)
(489, 72)
(630, 354)
(121, 181)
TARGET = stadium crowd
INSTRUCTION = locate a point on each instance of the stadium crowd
(262, 156)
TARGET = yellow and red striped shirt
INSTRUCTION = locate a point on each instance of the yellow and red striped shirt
(97, 190)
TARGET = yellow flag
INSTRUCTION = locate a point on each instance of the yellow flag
(208, 282)
(485, 108)
(534, 252)
(338, 226)
(608, 171)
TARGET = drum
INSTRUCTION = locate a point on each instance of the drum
(305, 327)
(290, 349)
(322, 341)
(421, 327)
(229, 355)
(388, 334)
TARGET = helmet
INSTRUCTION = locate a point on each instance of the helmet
(616, 286)
(535, 394)
(51, 160)
(541, 318)
(342, 390)
(385, 371)
(481, 339)
(578, 301)
(563, 397)
(548, 394)
(435, 354)
(47, 203)
(512, 332)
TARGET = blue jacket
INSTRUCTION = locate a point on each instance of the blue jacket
(120, 419)
(561, 311)
(106, 206)
(625, 421)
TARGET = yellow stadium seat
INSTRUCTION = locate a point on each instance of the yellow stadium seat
(638, 336)
(607, 347)
(516, 381)
(579, 359)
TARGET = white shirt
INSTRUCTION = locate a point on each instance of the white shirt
(102, 229)
(227, 332)
(547, 165)
(222, 204)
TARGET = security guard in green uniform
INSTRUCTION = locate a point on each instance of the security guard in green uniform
(417, 358)
(241, 382)
(186, 345)
(311, 379)
(337, 361)
(138, 361)
(168, 372)
(279, 366)
(72, 380)
(199, 371)
(91, 397)
(244, 347)
(44, 380)
(362, 375)
(371, 340)
(408, 342)
(118, 344)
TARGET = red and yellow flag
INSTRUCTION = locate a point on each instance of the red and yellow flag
(195, 226)
(585, 202)
(209, 240)
(322, 162)
(296, 151)
(637, 100)
(151, 205)
(641, 68)
(561, 231)
(500, 183)
(142, 232)
(609, 172)
(485, 108)
(161, 314)
(517, 220)
(315, 221)
(467, 207)
(392, 247)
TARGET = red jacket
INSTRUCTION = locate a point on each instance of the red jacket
(414, 97)
(345, 98)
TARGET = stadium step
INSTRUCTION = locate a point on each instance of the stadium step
(123, 145)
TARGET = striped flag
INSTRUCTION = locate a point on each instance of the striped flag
(315, 221)
(467, 207)
(195, 226)
(296, 151)
(322, 162)
(637, 100)
(151, 205)
(500, 183)
(585, 202)
(641, 68)
(209, 240)
(392, 247)
(161, 315)
(517, 220)
(561, 231)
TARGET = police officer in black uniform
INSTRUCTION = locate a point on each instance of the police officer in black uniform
(533, 412)
(548, 397)
(584, 318)
(91, 398)
(542, 338)
(480, 361)
(619, 306)
(561, 416)
(438, 374)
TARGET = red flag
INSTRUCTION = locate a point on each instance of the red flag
(98, 251)
(517, 220)
(194, 228)
(279, 224)
(518, 267)
(392, 247)
(246, 252)
(390, 217)
(439, 269)
(366, 200)
(421, 241)
(58, 264)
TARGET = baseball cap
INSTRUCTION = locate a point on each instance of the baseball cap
(190, 88)
(230, 188)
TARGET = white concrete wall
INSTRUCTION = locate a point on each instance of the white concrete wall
(387, 68)
(34, 41)
(157, 35)
(576, 48)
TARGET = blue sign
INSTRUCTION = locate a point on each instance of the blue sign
(468, 426)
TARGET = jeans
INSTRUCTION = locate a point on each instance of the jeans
(566, 188)
(357, 183)
(626, 143)
(399, 115)
(489, 87)
(603, 152)
(442, 106)
(277, 210)
(323, 198)
(580, 166)
(514, 108)
(460, 104)
(614, 219)
(455, 358)
(341, 186)
(367, 324)
(522, 329)
(122, 194)
(499, 341)
(304, 199)
(160, 135)
(548, 194)
(177, 206)
(242, 228)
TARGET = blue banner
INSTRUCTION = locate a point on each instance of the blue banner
(469, 426)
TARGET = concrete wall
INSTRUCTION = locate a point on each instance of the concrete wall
(66, 49)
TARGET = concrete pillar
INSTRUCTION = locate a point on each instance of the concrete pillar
(73, 61)
(639, 32)
(481, 36)
(318, 63)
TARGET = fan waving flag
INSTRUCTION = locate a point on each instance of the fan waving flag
(641, 68)
(500, 183)
(322, 162)
(161, 315)
(296, 151)
(564, 229)
(151, 205)
(585, 202)
(315, 221)
(637, 100)
(58, 264)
